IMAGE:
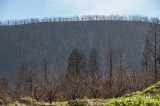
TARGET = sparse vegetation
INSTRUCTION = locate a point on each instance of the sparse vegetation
(148, 97)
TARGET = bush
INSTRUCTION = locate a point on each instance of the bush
(77, 102)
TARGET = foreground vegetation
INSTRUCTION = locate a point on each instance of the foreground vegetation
(147, 97)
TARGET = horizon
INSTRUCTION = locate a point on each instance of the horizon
(131, 18)
(21, 9)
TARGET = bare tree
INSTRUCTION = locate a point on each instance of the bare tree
(148, 60)
(4, 86)
(75, 73)
(150, 55)
(25, 80)
(94, 64)
(95, 74)
(156, 23)
(110, 67)
(52, 87)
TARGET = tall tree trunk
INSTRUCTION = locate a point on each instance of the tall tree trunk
(110, 66)
(120, 69)
(155, 52)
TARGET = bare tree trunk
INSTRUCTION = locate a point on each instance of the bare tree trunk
(45, 70)
(155, 51)
(31, 82)
(110, 66)
(120, 69)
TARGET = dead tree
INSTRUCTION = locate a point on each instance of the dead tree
(155, 30)
(147, 60)
(110, 67)
(52, 87)
(4, 87)
(25, 80)
(94, 64)
(95, 74)
(120, 69)
(152, 46)
(75, 71)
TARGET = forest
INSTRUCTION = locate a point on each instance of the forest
(78, 58)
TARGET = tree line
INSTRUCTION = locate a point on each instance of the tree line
(77, 18)
(82, 78)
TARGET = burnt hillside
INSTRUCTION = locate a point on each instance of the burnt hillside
(53, 41)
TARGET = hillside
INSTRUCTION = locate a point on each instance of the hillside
(32, 43)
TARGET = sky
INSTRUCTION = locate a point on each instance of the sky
(24, 9)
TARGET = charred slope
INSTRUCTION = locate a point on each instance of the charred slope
(32, 43)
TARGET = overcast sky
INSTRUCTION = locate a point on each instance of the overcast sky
(21, 9)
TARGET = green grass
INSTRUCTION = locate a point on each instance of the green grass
(147, 97)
